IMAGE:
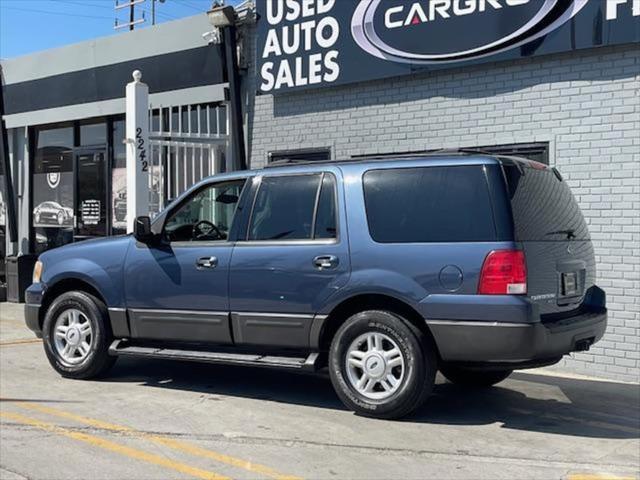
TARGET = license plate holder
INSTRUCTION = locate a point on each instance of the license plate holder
(569, 284)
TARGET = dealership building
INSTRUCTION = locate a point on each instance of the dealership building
(558, 82)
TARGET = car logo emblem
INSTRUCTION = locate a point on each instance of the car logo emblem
(53, 179)
(569, 250)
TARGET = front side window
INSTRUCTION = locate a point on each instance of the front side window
(205, 216)
(429, 204)
(300, 207)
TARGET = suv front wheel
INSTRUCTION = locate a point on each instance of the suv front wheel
(380, 365)
(76, 336)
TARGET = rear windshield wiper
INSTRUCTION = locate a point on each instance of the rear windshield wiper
(569, 233)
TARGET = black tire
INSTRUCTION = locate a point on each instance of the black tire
(98, 361)
(417, 350)
(474, 378)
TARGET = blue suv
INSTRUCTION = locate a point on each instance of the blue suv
(381, 271)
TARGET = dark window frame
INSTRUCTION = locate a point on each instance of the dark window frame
(521, 150)
(300, 155)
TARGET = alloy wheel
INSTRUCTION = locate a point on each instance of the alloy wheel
(73, 335)
(375, 365)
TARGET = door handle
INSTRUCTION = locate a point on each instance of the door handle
(206, 262)
(326, 262)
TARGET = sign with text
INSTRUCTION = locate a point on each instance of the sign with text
(316, 43)
(90, 212)
(137, 131)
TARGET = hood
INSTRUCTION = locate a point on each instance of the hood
(97, 247)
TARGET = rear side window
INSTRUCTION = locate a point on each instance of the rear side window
(543, 206)
(429, 204)
(300, 207)
(326, 213)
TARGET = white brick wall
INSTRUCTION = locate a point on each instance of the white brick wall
(586, 105)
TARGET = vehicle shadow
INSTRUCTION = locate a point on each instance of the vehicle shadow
(540, 403)
(525, 401)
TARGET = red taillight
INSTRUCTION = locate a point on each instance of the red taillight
(504, 272)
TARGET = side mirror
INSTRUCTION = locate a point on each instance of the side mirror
(142, 229)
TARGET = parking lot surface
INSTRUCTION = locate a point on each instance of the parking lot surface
(159, 419)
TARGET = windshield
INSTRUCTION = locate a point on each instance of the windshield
(544, 209)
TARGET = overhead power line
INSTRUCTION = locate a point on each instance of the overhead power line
(162, 15)
(130, 5)
(81, 4)
(47, 12)
(191, 6)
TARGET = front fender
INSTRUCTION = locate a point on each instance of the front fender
(88, 272)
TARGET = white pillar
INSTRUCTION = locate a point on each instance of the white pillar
(138, 151)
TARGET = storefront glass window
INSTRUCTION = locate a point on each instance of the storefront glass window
(165, 120)
(193, 117)
(185, 121)
(119, 179)
(175, 120)
(3, 212)
(93, 134)
(3, 219)
(53, 213)
(155, 121)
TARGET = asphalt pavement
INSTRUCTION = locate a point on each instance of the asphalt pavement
(165, 420)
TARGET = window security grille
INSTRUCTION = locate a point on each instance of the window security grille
(188, 143)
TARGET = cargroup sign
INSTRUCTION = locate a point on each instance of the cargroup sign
(314, 43)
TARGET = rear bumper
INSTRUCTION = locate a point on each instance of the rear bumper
(540, 341)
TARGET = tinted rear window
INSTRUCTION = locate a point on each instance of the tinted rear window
(429, 204)
(543, 206)
(326, 210)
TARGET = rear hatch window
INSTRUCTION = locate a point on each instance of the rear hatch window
(543, 206)
(429, 204)
(554, 235)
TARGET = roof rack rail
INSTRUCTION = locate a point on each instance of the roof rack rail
(287, 161)
(429, 153)
(433, 153)
(478, 151)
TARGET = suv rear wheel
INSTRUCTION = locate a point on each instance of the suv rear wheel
(474, 378)
(76, 336)
(380, 365)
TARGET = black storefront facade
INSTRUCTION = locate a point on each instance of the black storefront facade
(64, 110)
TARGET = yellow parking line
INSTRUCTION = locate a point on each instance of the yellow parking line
(114, 447)
(166, 441)
(24, 341)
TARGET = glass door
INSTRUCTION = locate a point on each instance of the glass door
(91, 194)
